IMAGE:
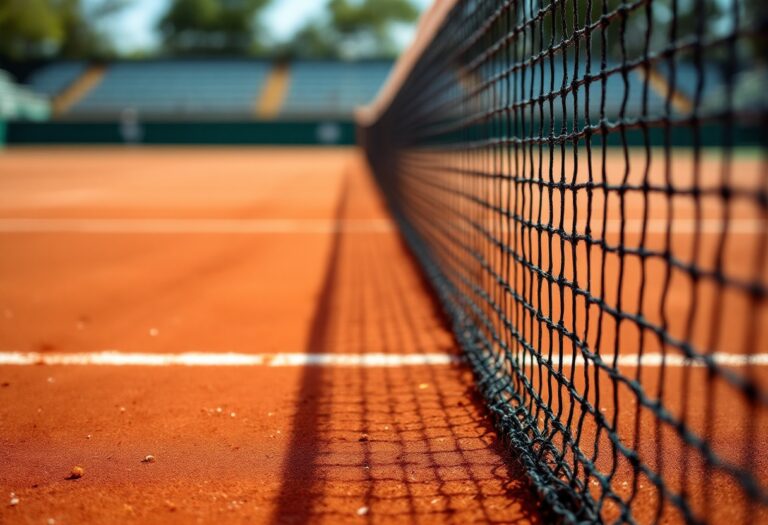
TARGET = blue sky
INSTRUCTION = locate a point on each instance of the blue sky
(133, 28)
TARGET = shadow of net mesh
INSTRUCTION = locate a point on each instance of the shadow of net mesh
(585, 183)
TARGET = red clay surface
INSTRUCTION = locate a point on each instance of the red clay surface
(248, 445)
(335, 445)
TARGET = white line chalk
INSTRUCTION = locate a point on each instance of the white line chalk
(670, 360)
(114, 358)
(322, 226)
(280, 360)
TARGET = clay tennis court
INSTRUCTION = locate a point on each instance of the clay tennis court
(254, 252)
(251, 319)
(515, 271)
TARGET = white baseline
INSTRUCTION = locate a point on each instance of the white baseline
(372, 360)
(115, 358)
(740, 226)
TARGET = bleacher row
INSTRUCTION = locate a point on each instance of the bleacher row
(214, 88)
(238, 88)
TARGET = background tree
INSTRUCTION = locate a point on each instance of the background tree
(366, 28)
(80, 21)
(213, 27)
(355, 29)
(29, 29)
(756, 12)
(33, 29)
(314, 40)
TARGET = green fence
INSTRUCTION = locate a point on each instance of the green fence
(215, 133)
(2, 133)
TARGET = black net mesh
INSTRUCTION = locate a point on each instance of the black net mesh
(585, 184)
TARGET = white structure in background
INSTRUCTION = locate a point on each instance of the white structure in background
(130, 126)
(19, 103)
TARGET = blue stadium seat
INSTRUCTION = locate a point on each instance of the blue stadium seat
(550, 80)
(687, 77)
(198, 88)
(54, 78)
(332, 89)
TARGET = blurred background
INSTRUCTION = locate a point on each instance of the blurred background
(138, 29)
(232, 71)
(289, 71)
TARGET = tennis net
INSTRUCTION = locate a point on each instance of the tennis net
(584, 182)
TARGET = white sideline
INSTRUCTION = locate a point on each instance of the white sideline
(313, 226)
(373, 360)
(674, 360)
(175, 226)
(114, 358)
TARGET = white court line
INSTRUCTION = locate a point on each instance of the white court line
(719, 358)
(671, 360)
(658, 226)
(174, 226)
(298, 226)
(115, 358)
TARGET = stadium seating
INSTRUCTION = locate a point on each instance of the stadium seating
(54, 78)
(230, 88)
(328, 89)
(687, 77)
(196, 88)
(557, 78)
(707, 82)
